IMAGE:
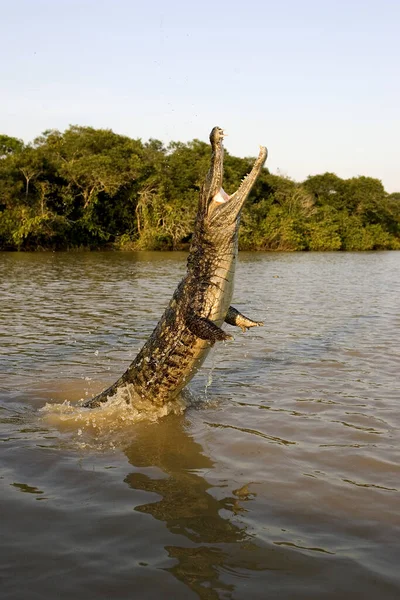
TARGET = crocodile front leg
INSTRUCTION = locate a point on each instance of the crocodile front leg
(206, 329)
(234, 317)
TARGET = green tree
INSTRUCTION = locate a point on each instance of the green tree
(323, 231)
(10, 145)
(327, 188)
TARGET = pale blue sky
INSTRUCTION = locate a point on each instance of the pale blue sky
(316, 81)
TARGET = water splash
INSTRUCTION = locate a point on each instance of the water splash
(112, 424)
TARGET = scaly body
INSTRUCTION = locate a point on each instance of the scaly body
(191, 323)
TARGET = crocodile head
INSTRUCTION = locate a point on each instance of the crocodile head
(218, 215)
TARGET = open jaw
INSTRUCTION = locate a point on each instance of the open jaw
(214, 201)
(229, 206)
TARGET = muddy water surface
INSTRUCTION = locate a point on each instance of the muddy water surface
(281, 477)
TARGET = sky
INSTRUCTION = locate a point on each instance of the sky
(316, 81)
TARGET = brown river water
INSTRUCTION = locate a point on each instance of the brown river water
(281, 477)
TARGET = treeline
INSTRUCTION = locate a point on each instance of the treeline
(92, 188)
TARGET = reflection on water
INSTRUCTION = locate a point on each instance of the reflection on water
(280, 481)
(185, 505)
(216, 546)
(211, 537)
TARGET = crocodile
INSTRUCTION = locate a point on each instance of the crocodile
(191, 323)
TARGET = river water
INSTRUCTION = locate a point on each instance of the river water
(281, 478)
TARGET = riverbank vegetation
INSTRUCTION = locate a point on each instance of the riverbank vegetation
(92, 188)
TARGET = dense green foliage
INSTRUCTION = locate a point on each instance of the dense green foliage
(92, 188)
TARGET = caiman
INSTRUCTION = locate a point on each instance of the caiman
(191, 323)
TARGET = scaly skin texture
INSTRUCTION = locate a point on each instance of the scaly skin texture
(191, 323)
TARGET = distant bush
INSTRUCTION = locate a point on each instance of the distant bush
(93, 188)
